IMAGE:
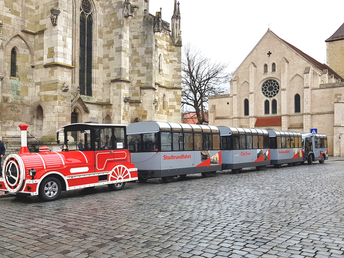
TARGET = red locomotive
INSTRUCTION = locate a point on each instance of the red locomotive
(92, 155)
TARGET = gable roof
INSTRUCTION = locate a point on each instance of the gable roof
(311, 59)
(308, 58)
(338, 35)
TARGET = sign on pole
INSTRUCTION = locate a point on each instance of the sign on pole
(314, 130)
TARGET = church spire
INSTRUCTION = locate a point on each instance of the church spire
(176, 32)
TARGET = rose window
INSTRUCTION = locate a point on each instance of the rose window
(270, 88)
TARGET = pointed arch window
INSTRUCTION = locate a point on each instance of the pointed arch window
(246, 107)
(13, 62)
(274, 106)
(74, 117)
(265, 68)
(266, 107)
(297, 103)
(273, 67)
(86, 37)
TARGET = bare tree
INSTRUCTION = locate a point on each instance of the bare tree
(200, 79)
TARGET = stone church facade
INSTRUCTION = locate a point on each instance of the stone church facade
(280, 87)
(69, 61)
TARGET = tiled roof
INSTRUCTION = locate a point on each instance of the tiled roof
(339, 34)
(311, 59)
(269, 121)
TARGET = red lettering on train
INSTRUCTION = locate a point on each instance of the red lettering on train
(283, 152)
(246, 153)
(172, 157)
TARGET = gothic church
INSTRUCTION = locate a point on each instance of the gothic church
(66, 61)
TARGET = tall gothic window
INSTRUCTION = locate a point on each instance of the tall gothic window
(13, 62)
(274, 106)
(265, 68)
(266, 107)
(85, 70)
(297, 104)
(246, 107)
(273, 67)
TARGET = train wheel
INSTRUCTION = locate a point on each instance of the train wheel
(236, 170)
(50, 189)
(277, 165)
(310, 160)
(205, 174)
(322, 160)
(116, 186)
(142, 180)
(182, 177)
(167, 179)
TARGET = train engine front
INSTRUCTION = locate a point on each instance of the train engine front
(47, 173)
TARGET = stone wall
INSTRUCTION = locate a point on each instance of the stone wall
(136, 69)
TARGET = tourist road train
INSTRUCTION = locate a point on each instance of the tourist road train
(95, 154)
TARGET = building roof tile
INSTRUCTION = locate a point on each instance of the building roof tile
(268, 121)
(338, 35)
(311, 59)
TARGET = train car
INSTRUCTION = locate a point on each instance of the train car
(165, 150)
(92, 155)
(242, 147)
(285, 147)
(315, 147)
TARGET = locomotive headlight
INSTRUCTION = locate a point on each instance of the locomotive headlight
(32, 173)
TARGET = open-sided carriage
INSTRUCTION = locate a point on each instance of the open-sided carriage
(165, 150)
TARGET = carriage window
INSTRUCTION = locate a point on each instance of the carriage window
(296, 142)
(243, 142)
(177, 141)
(188, 141)
(292, 143)
(288, 140)
(226, 143)
(279, 145)
(207, 142)
(119, 138)
(249, 141)
(149, 142)
(104, 140)
(198, 141)
(78, 140)
(134, 144)
(260, 141)
(273, 143)
(283, 143)
(236, 145)
(166, 144)
(255, 141)
(316, 142)
(216, 141)
(266, 142)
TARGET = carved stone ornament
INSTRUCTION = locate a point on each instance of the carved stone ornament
(65, 87)
(54, 14)
(128, 9)
(158, 22)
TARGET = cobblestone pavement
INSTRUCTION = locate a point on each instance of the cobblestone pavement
(294, 211)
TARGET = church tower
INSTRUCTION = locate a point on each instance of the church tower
(176, 33)
(335, 51)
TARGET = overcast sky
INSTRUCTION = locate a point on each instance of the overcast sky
(227, 30)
